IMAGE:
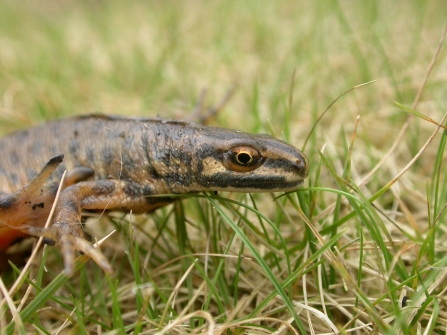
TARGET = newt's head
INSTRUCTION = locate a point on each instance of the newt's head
(235, 161)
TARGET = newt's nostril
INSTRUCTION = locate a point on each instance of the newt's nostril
(302, 167)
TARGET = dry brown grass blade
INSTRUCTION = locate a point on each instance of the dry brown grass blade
(175, 292)
(407, 121)
(338, 263)
(415, 158)
(181, 320)
(205, 116)
(10, 302)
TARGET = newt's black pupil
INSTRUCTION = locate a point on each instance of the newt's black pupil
(244, 158)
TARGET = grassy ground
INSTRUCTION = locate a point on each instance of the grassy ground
(348, 253)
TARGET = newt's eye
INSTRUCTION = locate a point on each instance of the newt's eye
(242, 159)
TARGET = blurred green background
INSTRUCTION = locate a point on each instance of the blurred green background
(156, 57)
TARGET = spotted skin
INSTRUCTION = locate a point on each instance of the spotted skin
(117, 163)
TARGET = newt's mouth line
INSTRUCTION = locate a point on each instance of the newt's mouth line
(278, 183)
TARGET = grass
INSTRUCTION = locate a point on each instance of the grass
(359, 249)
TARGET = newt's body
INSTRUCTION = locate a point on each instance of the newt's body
(116, 163)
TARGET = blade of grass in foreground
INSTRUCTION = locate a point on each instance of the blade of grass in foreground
(418, 114)
(371, 220)
(389, 184)
(45, 295)
(303, 268)
(344, 273)
(261, 262)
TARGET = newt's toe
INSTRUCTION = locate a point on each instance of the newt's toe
(81, 244)
(71, 238)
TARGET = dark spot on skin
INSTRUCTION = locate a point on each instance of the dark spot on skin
(90, 154)
(152, 172)
(103, 187)
(147, 190)
(14, 158)
(132, 190)
(71, 205)
(73, 148)
(128, 164)
(107, 156)
(175, 178)
(14, 178)
(148, 163)
(40, 205)
(37, 149)
(6, 201)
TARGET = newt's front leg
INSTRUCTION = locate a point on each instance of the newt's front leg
(28, 207)
(66, 230)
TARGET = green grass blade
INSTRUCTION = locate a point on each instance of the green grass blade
(261, 262)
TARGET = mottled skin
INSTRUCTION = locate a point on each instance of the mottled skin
(116, 163)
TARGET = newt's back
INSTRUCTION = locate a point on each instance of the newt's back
(189, 157)
(108, 145)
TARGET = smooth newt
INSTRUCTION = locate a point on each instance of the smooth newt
(118, 163)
